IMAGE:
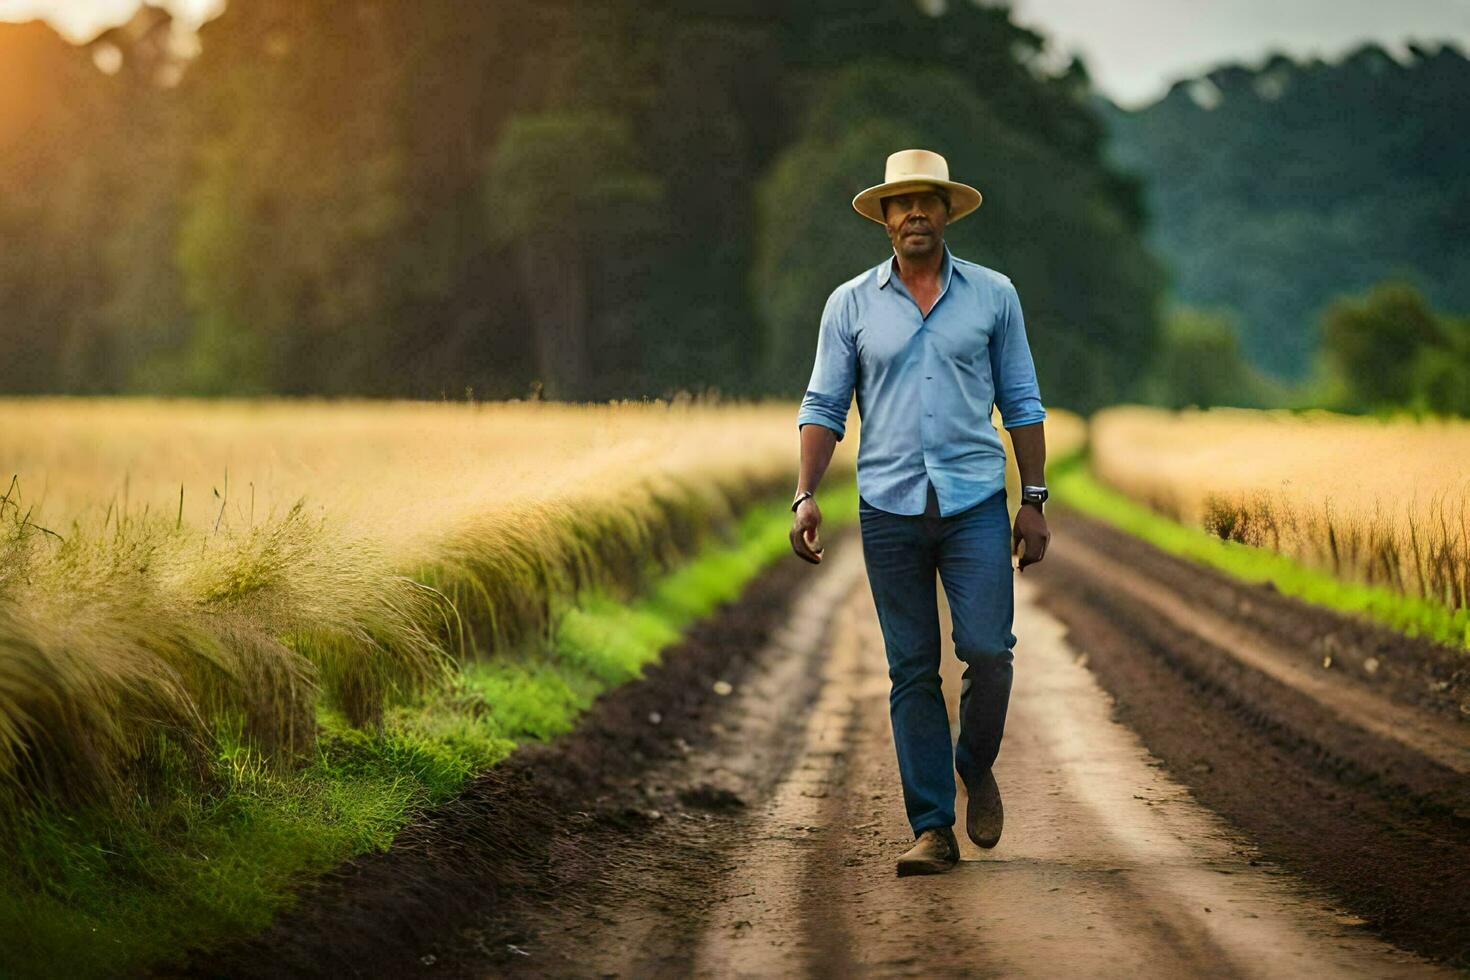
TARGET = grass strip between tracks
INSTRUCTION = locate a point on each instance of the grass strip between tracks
(95, 894)
(1076, 487)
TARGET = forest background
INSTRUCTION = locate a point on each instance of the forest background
(589, 199)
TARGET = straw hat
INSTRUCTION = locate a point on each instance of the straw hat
(911, 169)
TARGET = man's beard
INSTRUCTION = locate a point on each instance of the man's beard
(917, 248)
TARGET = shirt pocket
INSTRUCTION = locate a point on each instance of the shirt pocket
(970, 353)
(971, 371)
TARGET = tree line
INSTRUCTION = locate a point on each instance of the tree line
(577, 198)
(1385, 349)
(1275, 188)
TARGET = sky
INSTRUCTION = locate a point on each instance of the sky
(1133, 48)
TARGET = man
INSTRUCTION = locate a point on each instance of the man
(930, 342)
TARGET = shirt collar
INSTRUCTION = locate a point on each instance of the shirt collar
(946, 269)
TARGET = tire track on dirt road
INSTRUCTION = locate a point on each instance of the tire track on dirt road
(1416, 733)
(1107, 866)
(1354, 782)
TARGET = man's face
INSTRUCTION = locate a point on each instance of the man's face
(915, 221)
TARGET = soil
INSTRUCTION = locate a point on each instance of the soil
(1378, 815)
(545, 828)
(1173, 806)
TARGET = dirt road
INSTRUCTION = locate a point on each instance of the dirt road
(1340, 748)
(1108, 866)
(738, 814)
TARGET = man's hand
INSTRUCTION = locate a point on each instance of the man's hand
(1031, 528)
(804, 540)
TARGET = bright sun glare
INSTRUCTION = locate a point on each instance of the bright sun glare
(81, 20)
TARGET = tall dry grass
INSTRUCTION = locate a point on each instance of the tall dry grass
(115, 635)
(171, 568)
(1380, 501)
(182, 574)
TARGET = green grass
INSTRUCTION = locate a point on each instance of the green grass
(1076, 487)
(94, 892)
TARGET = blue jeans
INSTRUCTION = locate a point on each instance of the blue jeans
(971, 551)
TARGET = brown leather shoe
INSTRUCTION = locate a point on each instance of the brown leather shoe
(935, 852)
(984, 814)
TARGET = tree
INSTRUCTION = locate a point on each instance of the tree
(1372, 342)
(288, 240)
(558, 186)
(55, 207)
(1441, 374)
(1198, 362)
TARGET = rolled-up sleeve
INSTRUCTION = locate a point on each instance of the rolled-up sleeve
(1017, 394)
(829, 393)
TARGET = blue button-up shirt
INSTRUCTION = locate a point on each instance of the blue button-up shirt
(925, 384)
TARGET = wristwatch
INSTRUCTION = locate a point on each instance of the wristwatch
(799, 498)
(1034, 495)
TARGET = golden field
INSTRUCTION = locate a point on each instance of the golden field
(172, 566)
(357, 550)
(398, 474)
(1380, 501)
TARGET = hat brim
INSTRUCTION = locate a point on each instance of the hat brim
(962, 197)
